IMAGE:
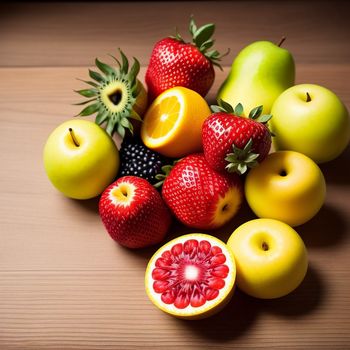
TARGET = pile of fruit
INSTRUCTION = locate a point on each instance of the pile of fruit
(181, 159)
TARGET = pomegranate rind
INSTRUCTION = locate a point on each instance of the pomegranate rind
(210, 307)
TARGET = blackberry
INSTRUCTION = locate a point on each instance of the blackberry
(138, 160)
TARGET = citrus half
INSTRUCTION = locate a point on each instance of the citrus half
(173, 123)
(191, 277)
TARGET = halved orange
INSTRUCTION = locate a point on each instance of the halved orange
(173, 123)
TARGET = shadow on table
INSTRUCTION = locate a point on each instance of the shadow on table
(230, 323)
(327, 228)
(89, 205)
(337, 171)
(241, 313)
(306, 298)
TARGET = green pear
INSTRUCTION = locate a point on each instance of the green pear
(259, 74)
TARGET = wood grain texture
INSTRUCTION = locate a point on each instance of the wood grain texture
(64, 284)
(51, 34)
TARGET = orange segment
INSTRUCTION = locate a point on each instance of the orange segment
(172, 125)
(162, 117)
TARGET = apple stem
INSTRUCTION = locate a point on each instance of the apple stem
(73, 137)
(308, 98)
(281, 41)
(265, 246)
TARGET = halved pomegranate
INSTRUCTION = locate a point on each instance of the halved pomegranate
(191, 276)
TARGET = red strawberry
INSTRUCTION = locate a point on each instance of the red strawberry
(199, 196)
(134, 213)
(233, 142)
(177, 63)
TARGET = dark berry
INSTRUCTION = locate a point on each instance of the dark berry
(138, 160)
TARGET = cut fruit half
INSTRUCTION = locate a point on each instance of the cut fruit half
(192, 276)
(173, 123)
(115, 95)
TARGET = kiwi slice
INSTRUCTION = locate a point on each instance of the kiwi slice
(116, 95)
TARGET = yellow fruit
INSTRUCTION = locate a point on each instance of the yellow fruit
(286, 186)
(172, 125)
(191, 277)
(271, 258)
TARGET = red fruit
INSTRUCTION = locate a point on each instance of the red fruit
(235, 143)
(191, 277)
(134, 213)
(199, 196)
(177, 63)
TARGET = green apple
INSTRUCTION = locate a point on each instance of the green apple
(271, 258)
(312, 120)
(286, 186)
(80, 159)
(259, 74)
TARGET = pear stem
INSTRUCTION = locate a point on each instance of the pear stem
(281, 41)
(308, 98)
(73, 137)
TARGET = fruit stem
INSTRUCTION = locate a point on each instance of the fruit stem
(73, 137)
(265, 246)
(281, 41)
(308, 98)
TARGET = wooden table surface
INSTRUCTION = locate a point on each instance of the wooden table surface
(64, 284)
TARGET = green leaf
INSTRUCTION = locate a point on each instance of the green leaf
(89, 110)
(125, 122)
(159, 184)
(213, 55)
(87, 92)
(116, 60)
(264, 118)
(242, 168)
(101, 117)
(125, 62)
(178, 35)
(255, 112)
(96, 76)
(203, 34)
(160, 177)
(105, 68)
(121, 131)
(231, 168)
(89, 82)
(206, 45)
(192, 27)
(217, 65)
(231, 158)
(134, 71)
(135, 115)
(131, 129)
(239, 109)
(166, 169)
(248, 146)
(84, 102)
(110, 126)
(251, 157)
(216, 109)
(226, 106)
(240, 153)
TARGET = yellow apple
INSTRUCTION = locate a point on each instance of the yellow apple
(286, 186)
(80, 159)
(310, 119)
(271, 258)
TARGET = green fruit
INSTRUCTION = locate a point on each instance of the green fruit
(259, 74)
(80, 159)
(116, 95)
(311, 119)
